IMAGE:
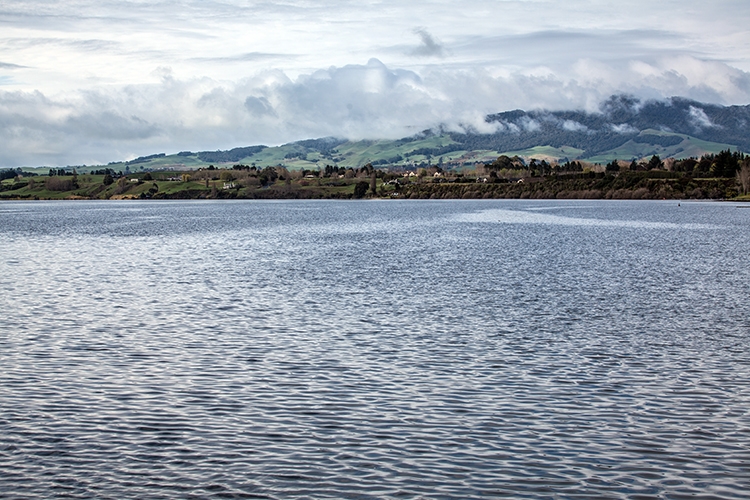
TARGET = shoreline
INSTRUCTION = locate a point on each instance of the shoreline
(650, 185)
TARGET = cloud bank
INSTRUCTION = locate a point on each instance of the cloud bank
(102, 81)
(354, 101)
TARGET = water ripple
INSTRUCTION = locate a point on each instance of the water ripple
(374, 350)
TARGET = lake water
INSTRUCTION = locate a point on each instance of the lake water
(395, 349)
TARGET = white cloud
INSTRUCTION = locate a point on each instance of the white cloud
(529, 124)
(624, 128)
(699, 118)
(574, 126)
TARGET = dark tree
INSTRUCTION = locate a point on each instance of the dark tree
(9, 173)
(360, 189)
(726, 164)
(612, 167)
(655, 163)
(268, 176)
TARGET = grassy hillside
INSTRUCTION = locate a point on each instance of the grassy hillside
(438, 149)
(548, 153)
(687, 147)
(298, 156)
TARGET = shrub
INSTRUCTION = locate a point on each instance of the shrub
(58, 184)
(360, 189)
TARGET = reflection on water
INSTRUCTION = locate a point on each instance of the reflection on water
(532, 216)
(472, 349)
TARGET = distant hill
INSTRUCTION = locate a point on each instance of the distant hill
(624, 128)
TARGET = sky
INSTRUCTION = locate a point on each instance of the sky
(94, 81)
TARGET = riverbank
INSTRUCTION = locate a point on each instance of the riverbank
(589, 185)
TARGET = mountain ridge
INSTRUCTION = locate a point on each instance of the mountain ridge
(621, 118)
(624, 128)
